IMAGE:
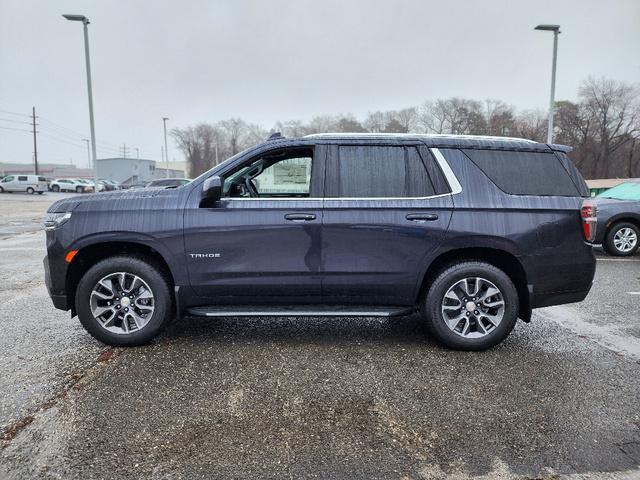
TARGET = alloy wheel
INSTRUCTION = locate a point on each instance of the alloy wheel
(473, 307)
(122, 303)
(625, 239)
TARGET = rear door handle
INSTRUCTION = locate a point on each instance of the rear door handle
(300, 217)
(422, 217)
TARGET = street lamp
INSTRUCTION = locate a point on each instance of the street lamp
(556, 30)
(166, 152)
(88, 153)
(85, 22)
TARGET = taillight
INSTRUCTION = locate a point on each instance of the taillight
(588, 212)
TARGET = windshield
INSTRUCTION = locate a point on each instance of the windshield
(624, 191)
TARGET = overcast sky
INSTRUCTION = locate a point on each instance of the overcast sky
(265, 61)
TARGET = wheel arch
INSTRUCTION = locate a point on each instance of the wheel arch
(502, 259)
(90, 254)
(620, 218)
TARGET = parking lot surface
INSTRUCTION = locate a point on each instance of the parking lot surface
(311, 397)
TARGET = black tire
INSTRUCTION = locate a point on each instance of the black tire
(432, 307)
(55, 188)
(1, 190)
(162, 314)
(30, 191)
(79, 189)
(609, 243)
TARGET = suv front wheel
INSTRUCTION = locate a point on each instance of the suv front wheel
(471, 306)
(123, 301)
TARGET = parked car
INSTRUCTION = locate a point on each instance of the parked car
(133, 185)
(24, 183)
(70, 185)
(615, 219)
(91, 184)
(472, 232)
(167, 182)
(109, 185)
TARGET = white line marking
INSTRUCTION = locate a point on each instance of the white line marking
(633, 293)
(607, 336)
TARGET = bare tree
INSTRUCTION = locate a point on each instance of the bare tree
(374, 122)
(198, 145)
(611, 107)
(603, 127)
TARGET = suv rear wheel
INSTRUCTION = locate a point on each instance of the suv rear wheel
(471, 306)
(622, 239)
(123, 301)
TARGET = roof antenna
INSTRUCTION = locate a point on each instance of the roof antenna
(275, 136)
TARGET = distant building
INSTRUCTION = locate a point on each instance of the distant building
(131, 171)
(49, 170)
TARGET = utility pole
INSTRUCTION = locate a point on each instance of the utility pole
(124, 150)
(35, 141)
(137, 152)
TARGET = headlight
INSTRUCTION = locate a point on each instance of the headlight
(55, 220)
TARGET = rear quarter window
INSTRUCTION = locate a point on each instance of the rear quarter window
(525, 173)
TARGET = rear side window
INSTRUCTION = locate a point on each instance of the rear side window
(42, 179)
(525, 173)
(22, 178)
(377, 172)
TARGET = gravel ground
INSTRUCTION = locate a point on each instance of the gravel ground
(313, 397)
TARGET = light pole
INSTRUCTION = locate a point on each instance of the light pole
(556, 30)
(85, 22)
(166, 152)
(88, 152)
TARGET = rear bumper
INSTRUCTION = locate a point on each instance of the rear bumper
(548, 299)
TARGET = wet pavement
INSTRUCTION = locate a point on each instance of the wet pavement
(318, 398)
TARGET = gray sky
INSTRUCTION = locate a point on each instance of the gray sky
(276, 60)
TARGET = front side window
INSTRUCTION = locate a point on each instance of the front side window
(279, 174)
(7, 179)
(366, 171)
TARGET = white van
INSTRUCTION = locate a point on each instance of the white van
(24, 183)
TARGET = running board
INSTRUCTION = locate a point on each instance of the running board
(298, 311)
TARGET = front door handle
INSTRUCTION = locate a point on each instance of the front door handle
(300, 217)
(422, 217)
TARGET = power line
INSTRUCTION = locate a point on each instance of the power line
(15, 113)
(14, 121)
(61, 140)
(16, 129)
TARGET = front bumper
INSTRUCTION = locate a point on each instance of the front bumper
(57, 293)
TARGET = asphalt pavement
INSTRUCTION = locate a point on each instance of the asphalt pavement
(313, 397)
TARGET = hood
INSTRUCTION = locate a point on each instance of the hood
(615, 202)
(118, 196)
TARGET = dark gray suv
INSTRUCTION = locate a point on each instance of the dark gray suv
(472, 232)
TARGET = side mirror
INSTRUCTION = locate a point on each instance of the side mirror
(212, 188)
